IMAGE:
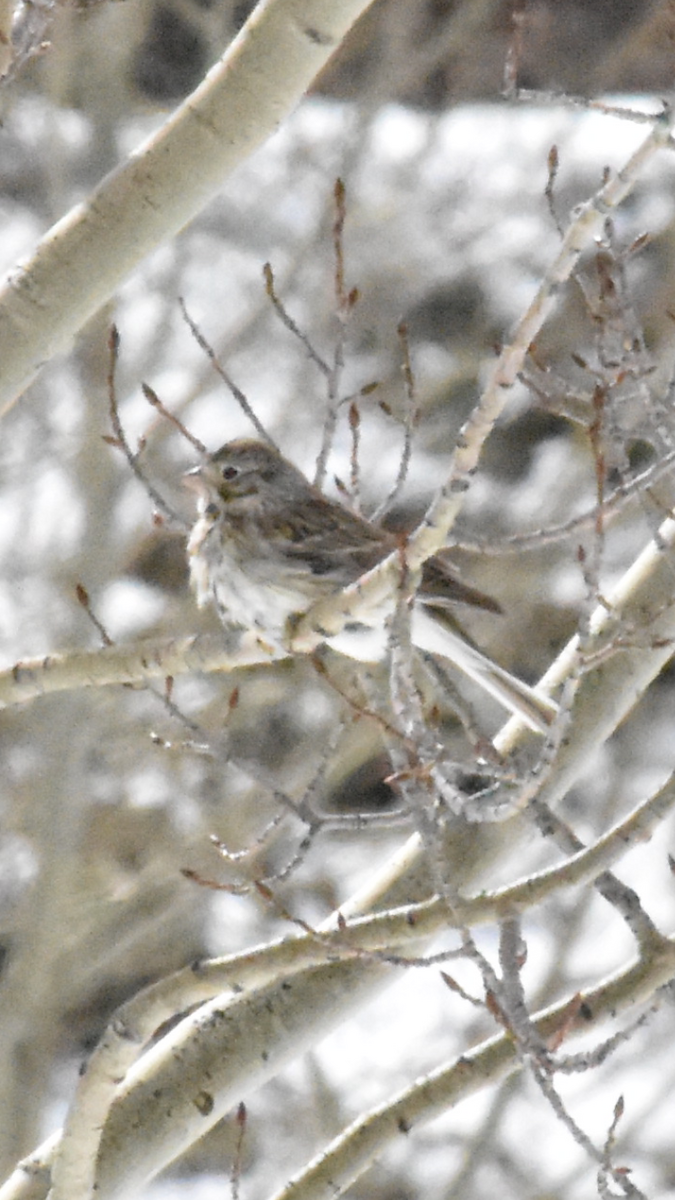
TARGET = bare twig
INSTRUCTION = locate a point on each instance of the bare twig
(239, 396)
(119, 439)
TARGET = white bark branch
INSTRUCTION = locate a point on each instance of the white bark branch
(84, 258)
(333, 613)
(136, 663)
(311, 1006)
(388, 932)
(176, 1091)
(357, 1148)
(137, 1021)
(341, 1163)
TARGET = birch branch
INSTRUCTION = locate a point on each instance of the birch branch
(332, 1171)
(270, 1016)
(633, 637)
(74, 1159)
(153, 659)
(310, 1008)
(373, 588)
(638, 615)
(136, 1022)
(136, 663)
(337, 1167)
(84, 258)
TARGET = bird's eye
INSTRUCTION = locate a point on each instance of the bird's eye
(230, 473)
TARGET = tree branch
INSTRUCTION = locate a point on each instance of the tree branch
(83, 259)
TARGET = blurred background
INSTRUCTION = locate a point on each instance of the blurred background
(106, 795)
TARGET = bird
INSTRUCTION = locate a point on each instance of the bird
(267, 545)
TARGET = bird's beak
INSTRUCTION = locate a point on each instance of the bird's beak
(194, 480)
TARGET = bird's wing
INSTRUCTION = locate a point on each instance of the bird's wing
(331, 540)
(442, 587)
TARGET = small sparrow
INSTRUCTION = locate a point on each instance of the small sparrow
(267, 545)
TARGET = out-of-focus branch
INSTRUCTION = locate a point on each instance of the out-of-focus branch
(83, 259)
(6, 18)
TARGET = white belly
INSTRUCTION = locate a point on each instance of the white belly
(241, 591)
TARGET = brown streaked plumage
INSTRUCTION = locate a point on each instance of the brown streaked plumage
(267, 545)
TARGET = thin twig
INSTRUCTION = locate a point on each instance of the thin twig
(290, 324)
(411, 417)
(239, 396)
(120, 439)
(155, 402)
